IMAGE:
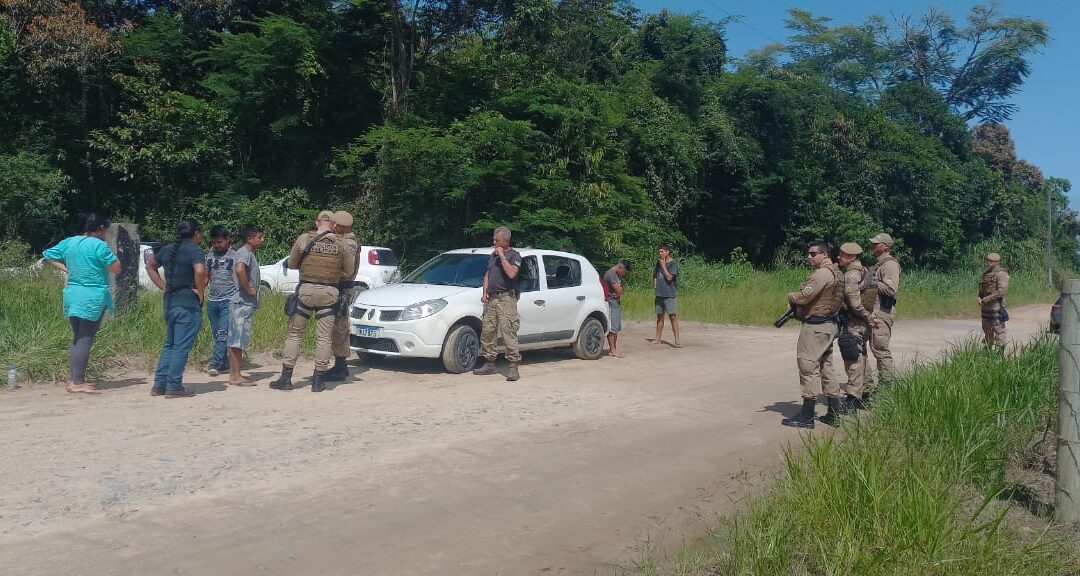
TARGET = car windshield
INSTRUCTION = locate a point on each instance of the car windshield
(451, 270)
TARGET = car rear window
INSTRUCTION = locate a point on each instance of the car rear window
(386, 257)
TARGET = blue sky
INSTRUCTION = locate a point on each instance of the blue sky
(1047, 123)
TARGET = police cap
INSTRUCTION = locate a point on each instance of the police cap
(882, 238)
(343, 218)
(851, 249)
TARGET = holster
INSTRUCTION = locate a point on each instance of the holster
(292, 304)
(850, 346)
(344, 301)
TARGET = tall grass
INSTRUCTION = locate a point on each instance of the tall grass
(739, 293)
(913, 489)
(35, 335)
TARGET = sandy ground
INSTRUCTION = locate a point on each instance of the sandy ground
(575, 469)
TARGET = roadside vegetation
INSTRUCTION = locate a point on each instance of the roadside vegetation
(929, 483)
(35, 335)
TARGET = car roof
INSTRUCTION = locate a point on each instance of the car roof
(522, 251)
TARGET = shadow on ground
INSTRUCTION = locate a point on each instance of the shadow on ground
(785, 409)
(125, 383)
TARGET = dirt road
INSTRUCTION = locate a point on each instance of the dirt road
(406, 470)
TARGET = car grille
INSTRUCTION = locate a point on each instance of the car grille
(390, 315)
(358, 313)
(378, 344)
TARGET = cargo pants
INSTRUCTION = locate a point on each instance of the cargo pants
(994, 331)
(341, 329)
(814, 356)
(316, 301)
(856, 369)
(880, 339)
(501, 319)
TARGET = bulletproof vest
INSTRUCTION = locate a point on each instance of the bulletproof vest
(323, 263)
(864, 288)
(989, 283)
(870, 292)
(831, 297)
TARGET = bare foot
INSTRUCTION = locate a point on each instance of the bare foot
(241, 382)
(83, 389)
(656, 341)
(678, 345)
(616, 354)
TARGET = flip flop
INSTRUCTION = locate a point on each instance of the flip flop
(246, 382)
(616, 354)
(83, 390)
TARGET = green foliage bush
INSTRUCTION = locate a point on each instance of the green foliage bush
(33, 196)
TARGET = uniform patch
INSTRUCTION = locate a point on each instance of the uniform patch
(330, 248)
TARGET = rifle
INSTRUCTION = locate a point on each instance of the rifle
(784, 318)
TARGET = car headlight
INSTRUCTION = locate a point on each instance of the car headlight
(422, 309)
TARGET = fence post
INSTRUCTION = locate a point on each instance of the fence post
(123, 239)
(1067, 499)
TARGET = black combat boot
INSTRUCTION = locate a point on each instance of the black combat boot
(512, 374)
(486, 370)
(339, 372)
(318, 382)
(805, 418)
(284, 382)
(854, 403)
(832, 416)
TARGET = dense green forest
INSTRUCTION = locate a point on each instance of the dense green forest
(575, 122)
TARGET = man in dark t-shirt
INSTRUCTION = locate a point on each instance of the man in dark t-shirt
(666, 283)
(184, 286)
(614, 284)
(500, 306)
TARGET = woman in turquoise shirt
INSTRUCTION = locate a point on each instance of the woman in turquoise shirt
(86, 261)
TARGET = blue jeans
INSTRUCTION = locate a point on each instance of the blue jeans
(218, 313)
(181, 327)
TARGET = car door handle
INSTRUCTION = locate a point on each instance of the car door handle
(538, 302)
(580, 298)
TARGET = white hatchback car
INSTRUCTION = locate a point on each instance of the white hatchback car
(378, 267)
(435, 312)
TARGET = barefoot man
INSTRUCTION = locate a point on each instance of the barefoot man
(244, 301)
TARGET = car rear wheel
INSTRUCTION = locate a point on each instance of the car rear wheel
(590, 341)
(461, 349)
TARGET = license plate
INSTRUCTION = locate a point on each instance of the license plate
(369, 331)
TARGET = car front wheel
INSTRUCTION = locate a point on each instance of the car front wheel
(590, 341)
(461, 349)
